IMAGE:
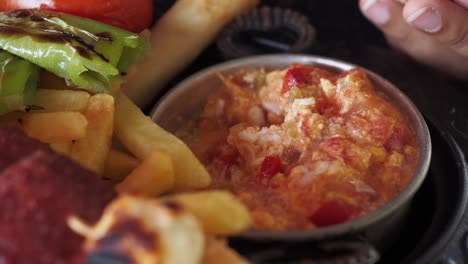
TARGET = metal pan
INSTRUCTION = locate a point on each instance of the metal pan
(379, 228)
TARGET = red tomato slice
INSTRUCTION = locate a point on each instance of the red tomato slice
(133, 15)
(334, 212)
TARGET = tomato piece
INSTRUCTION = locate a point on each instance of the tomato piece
(336, 147)
(334, 212)
(295, 77)
(132, 15)
(271, 165)
(300, 76)
(334, 144)
(395, 141)
(381, 128)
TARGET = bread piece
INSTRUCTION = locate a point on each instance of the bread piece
(177, 39)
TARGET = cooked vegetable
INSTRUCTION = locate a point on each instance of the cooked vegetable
(334, 212)
(92, 150)
(154, 176)
(219, 212)
(133, 15)
(88, 54)
(18, 82)
(140, 135)
(315, 160)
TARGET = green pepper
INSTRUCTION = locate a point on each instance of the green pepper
(88, 54)
(18, 82)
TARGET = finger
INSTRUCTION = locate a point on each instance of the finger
(444, 20)
(387, 16)
(463, 3)
(433, 53)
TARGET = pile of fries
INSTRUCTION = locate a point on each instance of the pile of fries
(109, 135)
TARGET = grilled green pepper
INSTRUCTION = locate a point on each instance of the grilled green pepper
(18, 82)
(88, 54)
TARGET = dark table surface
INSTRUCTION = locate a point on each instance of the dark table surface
(343, 33)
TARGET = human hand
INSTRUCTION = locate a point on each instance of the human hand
(434, 32)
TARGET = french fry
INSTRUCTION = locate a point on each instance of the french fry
(178, 37)
(219, 212)
(217, 250)
(61, 100)
(140, 135)
(55, 127)
(118, 165)
(62, 147)
(91, 151)
(155, 175)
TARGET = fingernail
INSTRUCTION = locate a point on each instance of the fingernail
(463, 3)
(426, 19)
(377, 11)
